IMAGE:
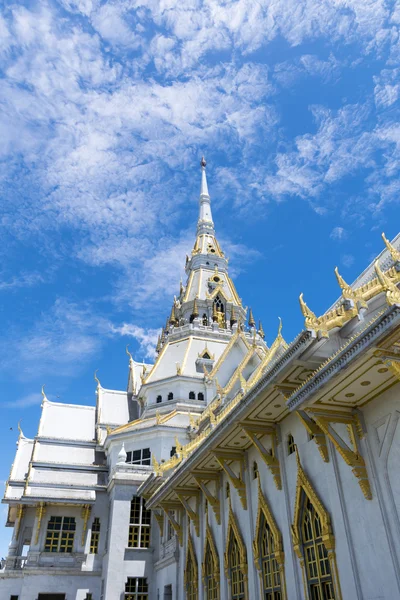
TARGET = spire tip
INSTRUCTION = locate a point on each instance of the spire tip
(203, 162)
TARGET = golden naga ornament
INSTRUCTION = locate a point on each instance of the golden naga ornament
(395, 254)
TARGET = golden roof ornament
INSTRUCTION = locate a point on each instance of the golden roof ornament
(172, 318)
(252, 322)
(392, 291)
(347, 291)
(158, 347)
(215, 315)
(395, 254)
(195, 312)
(233, 316)
(280, 327)
(311, 320)
(260, 330)
(158, 417)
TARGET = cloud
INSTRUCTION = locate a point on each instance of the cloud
(338, 233)
(147, 338)
(347, 260)
(24, 402)
(22, 281)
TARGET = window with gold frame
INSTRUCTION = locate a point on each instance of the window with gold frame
(139, 524)
(191, 574)
(237, 584)
(317, 567)
(314, 541)
(136, 588)
(60, 534)
(95, 536)
(270, 571)
(210, 574)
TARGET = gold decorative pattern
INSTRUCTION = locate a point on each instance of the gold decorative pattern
(311, 320)
(20, 514)
(316, 432)
(304, 486)
(270, 458)
(85, 514)
(194, 515)
(279, 555)
(352, 457)
(175, 524)
(395, 254)
(202, 478)
(210, 551)
(348, 292)
(392, 291)
(191, 572)
(40, 512)
(394, 367)
(238, 482)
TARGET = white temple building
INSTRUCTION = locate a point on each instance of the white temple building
(228, 469)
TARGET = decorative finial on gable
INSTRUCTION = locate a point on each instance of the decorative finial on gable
(45, 399)
(97, 379)
(395, 254)
(252, 322)
(392, 291)
(203, 162)
(128, 353)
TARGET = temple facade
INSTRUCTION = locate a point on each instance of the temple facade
(229, 469)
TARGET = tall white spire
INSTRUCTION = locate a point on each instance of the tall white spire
(205, 223)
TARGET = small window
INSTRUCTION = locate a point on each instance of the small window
(200, 396)
(170, 396)
(136, 588)
(173, 451)
(227, 490)
(60, 534)
(205, 321)
(192, 396)
(94, 539)
(159, 399)
(255, 470)
(291, 446)
(13, 597)
(89, 596)
(139, 457)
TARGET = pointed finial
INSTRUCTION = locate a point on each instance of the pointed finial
(203, 162)
(158, 347)
(195, 312)
(128, 353)
(252, 322)
(181, 288)
(43, 392)
(260, 330)
(97, 379)
(215, 315)
(233, 316)
(121, 458)
(395, 254)
(20, 430)
(280, 326)
(392, 291)
(347, 290)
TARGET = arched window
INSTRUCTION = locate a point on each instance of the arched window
(159, 399)
(291, 446)
(235, 569)
(200, 396)
(313, 541)
(205, 319)
(315, 554)
(192, 396)
(170, 396)
(268, 552)
(210, 568)
(191, 573)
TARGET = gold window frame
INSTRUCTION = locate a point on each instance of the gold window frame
(264, 511)
(190, 554)
(233, 529)
(305, 487)
(209, 541)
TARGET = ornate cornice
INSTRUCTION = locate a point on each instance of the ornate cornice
(356, 344)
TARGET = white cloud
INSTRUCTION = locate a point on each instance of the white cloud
(25, 401)
(21, 281)
(338, 233)
(347, 260)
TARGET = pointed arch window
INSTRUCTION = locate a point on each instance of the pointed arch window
(268, 552)
(200, 396)
(314, 542)
(170, 396)
(235, 561)
(192, 396)
(191, 575)
(210, 568)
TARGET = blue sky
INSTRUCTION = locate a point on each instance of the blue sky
(105, 111)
